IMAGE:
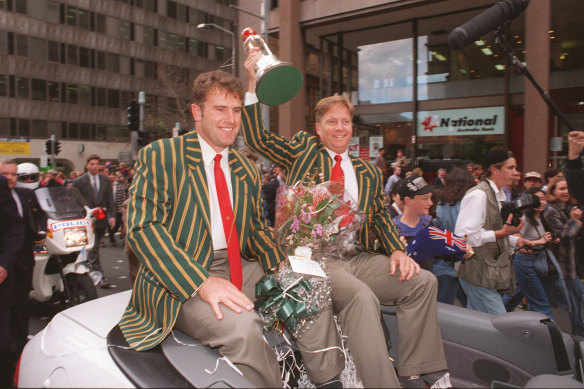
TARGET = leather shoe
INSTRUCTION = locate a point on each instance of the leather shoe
(104, 283)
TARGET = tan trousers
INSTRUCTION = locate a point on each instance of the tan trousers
(359, 285)
(240, 336)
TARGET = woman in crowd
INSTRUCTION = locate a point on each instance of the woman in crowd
(458, 181)
(565, 222)
(527, 276)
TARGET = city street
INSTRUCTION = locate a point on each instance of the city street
(115, 265)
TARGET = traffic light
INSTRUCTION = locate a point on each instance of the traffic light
(57, 147)
(143, 138)
(49, 146)
(134, 116)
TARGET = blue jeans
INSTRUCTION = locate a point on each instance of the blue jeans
(482, 299)
(449, 289)
(530, 284)
(575, 296)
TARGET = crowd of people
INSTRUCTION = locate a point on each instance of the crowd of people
(101, 186)
(503, 273)
(199, 225)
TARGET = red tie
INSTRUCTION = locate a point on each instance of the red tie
(228, 224)
(337, 175)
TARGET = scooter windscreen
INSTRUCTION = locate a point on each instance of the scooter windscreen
(61, 202)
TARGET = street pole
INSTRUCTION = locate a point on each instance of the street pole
(53, 141)
(141, 101)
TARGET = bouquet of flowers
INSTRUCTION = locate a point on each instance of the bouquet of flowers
(313, 223)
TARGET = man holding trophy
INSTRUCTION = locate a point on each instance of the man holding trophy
(364, 279)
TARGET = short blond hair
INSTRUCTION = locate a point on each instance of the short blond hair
(327, 103)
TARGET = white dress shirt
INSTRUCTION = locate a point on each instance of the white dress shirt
(351, 186)
(217, 232)
(473, 211)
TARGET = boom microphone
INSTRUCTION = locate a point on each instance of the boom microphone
(485, 22)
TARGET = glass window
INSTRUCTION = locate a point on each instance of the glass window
(100, 133)
(3, 45)
(100, 63)
(21, 45)
(198, 48)
(22, 87)
(100, 23)
(100, 97)
(113, 98)
(171, 9)
(24, 127)
(20, 6)
(52, 11)
(112, 63)
(72, 94)
(72, 54)
(38, 48)
(85, 95)
(84, 57)
(54, 91)
(71, 16)
(125, 98)
(220, 53)
(53, 51)
(4, 124)
(39, 129)
(385, 68)
(139, 68)
(84, 19)
(566, 46)
(73, 132)
(3, 85)
(54, 128)
(39, 89)
(85, 131)
(150, 69)
(476, 70)
(125, 65)
(150, 36)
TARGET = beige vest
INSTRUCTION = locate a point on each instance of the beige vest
(491, 266)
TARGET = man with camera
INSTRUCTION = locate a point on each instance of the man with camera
(573, 170)
(489, 273)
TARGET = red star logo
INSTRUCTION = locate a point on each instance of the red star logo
(430, 122)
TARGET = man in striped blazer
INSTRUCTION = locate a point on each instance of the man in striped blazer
(359, 283)
(196, 224)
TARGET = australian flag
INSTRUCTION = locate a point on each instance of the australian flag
(434, 242)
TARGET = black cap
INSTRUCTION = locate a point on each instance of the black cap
(493, 157)
(414, 185)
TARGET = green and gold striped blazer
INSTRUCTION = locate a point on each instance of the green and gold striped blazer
(305, 156)
(169, 231)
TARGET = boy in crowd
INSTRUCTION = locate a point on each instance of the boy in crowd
(416, 195)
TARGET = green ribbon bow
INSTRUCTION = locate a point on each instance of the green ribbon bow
(291, 307)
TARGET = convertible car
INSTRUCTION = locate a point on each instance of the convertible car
(83, 347)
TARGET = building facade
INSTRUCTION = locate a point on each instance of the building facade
(70, 68)
(414, 92)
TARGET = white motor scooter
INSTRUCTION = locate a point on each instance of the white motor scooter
(61, 262)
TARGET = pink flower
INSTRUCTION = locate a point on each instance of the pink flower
(317, 232)
(295, 227)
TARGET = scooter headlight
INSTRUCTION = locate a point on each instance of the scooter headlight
(76, 237)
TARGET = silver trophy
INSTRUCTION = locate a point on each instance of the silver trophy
(276, 81)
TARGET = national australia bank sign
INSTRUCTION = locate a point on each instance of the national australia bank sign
(470, 121)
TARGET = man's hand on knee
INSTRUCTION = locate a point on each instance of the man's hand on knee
(407, 266)
(217, 290)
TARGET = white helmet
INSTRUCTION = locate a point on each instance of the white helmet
(28, 175)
